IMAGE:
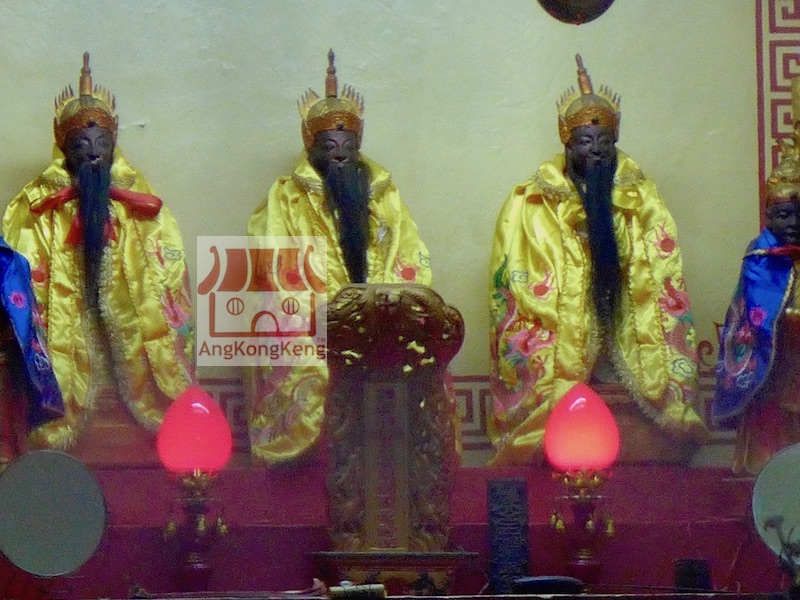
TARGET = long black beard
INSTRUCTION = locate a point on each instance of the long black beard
(94, 183)
(347, 193)
(596, 192)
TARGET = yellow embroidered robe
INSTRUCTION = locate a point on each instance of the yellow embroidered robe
(145, 302)
(544, 335)
(285, 404)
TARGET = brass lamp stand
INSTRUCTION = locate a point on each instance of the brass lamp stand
(194, 443)
(589, 521)
(581, 442)
(197, 531)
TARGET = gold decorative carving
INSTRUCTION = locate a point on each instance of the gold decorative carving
(389, 418)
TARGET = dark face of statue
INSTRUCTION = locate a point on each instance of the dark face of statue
(346, 178)
(333, 148)
(88, 158)
(591, 164)
(783, 220)
(89, 145)
(589, 146)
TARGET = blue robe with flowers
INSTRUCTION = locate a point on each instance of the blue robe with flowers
(44, 396)
(748, 341)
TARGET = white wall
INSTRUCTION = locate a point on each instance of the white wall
(460, 106)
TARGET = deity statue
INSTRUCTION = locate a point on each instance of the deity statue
(108, 270)
(338, 193)
(758, 369)
(29, 392)
(587, 286)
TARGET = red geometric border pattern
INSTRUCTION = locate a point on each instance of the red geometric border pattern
(784, 16)
(472, 405)
(777, 62)
(472, 395)
(230, 397)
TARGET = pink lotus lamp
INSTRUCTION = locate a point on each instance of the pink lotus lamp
(194, 443)
(581, 442)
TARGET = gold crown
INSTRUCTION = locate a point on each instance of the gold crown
(93, 106)
(783, 184)
(332, 112)
(584, 107)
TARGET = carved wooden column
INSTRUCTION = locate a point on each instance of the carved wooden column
(390, 424)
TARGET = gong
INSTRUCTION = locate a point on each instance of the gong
(775, 500)
(52, 513)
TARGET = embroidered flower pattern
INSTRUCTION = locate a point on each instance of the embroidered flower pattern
(518, 276)
(543, 288)
(744, 335)
(757, 316)
(405, 271)
(738, 344)
(18, 299)
(529, 340)
(41, 273)
(282, 418)
(740, 365)
(164, 253)
(664, 242)
(674, 301)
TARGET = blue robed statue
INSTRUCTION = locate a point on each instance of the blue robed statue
(758, 369)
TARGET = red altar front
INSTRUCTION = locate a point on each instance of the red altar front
(277, 521)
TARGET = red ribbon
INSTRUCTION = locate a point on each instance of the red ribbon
(141, 205)
(787, 250)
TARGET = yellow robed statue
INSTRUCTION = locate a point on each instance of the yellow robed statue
(337, 193)
(587, 286)
(108, 269)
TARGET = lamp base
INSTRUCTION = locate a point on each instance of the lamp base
(585, 566)
(197, 532)
(194, 572)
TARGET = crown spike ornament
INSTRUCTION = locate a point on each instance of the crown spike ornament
(335, 111)
(94, 106)
(331, 86)
(584, 82)
(85, 82)
(587, 107)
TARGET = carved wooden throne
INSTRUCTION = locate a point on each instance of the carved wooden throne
(390, 426)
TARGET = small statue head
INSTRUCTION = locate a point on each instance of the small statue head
(335, 117)
(92, 144)
(589, 146)
(587, 107)
(333, 147)
(783, 213)
(85, 125)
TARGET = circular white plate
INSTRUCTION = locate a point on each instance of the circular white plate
(776, 497)
(52, 513)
